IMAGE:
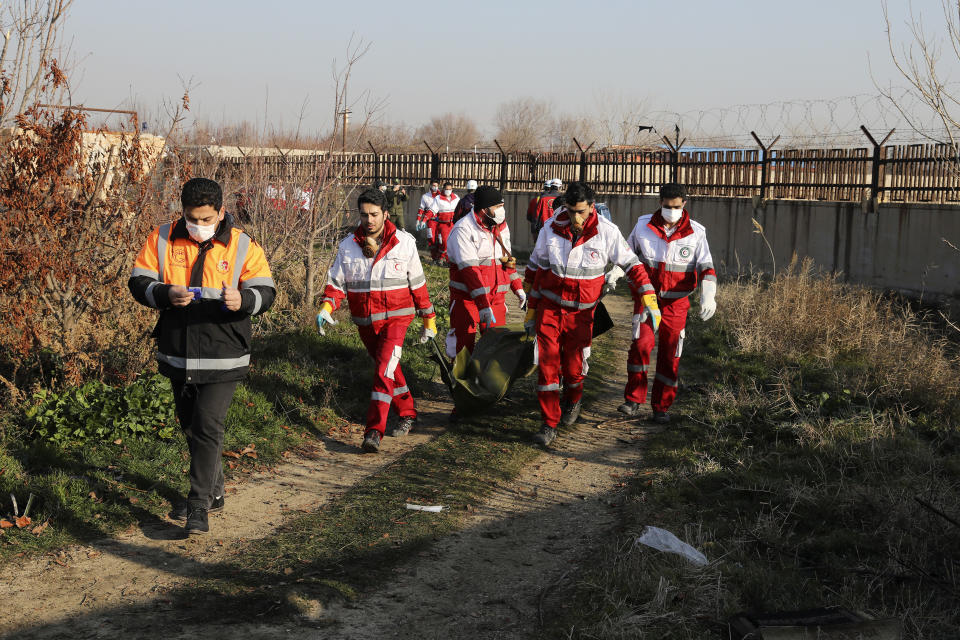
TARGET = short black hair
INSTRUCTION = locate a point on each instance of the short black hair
(201, 192)
(372, 196)
(673, 190)
(448, 184)
(579, 192)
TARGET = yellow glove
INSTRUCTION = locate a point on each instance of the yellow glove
(530, 321)
(324, 318)
(650, 304)
(429, 330)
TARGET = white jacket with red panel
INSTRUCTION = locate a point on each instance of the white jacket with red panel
(389, 285)
(476, 272)
(443, 207)
(675, 263)
(570, 274)
(426, 201)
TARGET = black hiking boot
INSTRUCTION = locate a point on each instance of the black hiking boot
(629, 408)
(661, 417)
(403, 426)
(545, 436)
(179, 511)
(371, 441)
(196, 519)
(570, 414)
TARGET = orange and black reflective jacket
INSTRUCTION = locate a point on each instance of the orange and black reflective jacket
(202, 342)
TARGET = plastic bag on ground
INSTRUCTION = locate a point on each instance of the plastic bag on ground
(663, 540)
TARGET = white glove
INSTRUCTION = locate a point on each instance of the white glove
(487, 317)
(426, 335)
(610, 280)
(708, 299)
(522, 297)
(324, 318)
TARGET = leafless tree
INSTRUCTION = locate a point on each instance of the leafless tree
(450, 132)
(524, 124)
(31, 31)
(920, 63)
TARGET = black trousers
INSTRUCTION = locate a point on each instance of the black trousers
(202, 411)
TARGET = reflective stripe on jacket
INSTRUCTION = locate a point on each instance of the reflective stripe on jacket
(202, 342)
(389, 285)
(476, 272)
(568, 272)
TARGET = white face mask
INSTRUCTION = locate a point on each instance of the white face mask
(671, 215)
(201, 233)
(498, 215)
(447, 192)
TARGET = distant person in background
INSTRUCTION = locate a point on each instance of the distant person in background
(425, 212)
(443, 207)
(545, 206)
(532, 208)
(466, 202)
(675, 254)
(396, 196)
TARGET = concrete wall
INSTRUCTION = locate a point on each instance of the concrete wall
(900, 247)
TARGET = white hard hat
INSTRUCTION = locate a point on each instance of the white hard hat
(556, 182)
(546, 182)
(471, 185)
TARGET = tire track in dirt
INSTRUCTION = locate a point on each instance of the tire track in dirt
(136, 566)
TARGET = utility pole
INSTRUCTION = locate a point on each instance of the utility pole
(346, 123)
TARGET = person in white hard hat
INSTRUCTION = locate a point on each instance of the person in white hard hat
(532, 207)
(466, 202)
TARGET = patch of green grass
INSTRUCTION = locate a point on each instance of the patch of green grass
(799, 491)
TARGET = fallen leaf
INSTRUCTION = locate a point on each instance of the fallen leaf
(5, 524)
(134, 500)
(252, 454)
(231, 454)
(386, 535)
(22, 522)
(232, 465)
(37, 530)
(118, 441)
(92, 495)
(287, 571)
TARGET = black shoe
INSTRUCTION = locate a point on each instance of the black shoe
(371, 441)
(403, 426)
(570, 415)
(629, 408)
(545, 436)
(196, 519)
(661, 417)
(179, 511)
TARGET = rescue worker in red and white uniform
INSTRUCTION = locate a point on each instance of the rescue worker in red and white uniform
(444, 206)
(482, 271)
(566, 273)
(425, 212)
(532, 208)
(545, 208)
(675, 254)
(378, 270)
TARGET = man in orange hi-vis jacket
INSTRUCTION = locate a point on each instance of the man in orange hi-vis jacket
(207, 278)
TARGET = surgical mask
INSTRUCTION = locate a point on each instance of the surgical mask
(447, 192)
(434, 189)
(498, 215)
(201, 233)
(671, 215)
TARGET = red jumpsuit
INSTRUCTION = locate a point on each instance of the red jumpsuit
(675, 263)
(443, 209)
(478, 279)
(384, 293)
(566, 275)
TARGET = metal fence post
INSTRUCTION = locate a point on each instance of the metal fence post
(875, 186)
(674, 158)
(504, 168)
(434, 163)
(376, 161)
(764, 161)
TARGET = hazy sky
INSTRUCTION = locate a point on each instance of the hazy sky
(426, 58)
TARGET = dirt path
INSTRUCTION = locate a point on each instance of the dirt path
(490, 580)
(133, 567)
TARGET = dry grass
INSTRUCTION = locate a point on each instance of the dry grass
(802, 316)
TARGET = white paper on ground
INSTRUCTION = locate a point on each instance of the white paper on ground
(419, 507)
(663, 540)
